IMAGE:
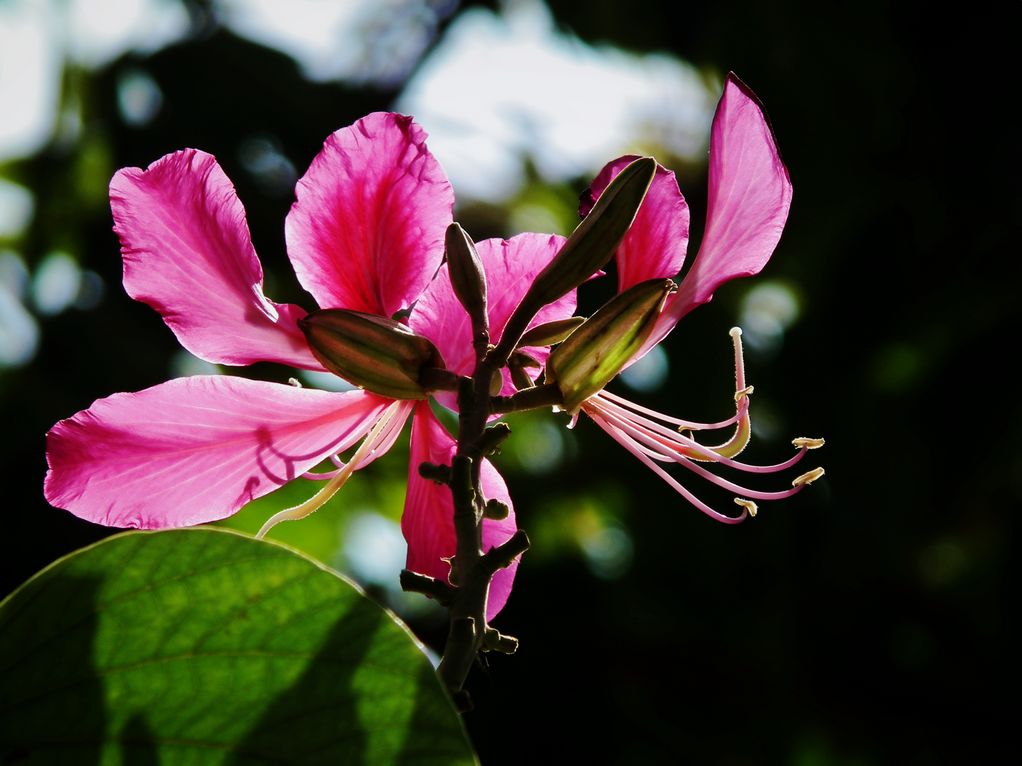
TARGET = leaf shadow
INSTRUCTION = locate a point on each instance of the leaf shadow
(316, 720)
(52, 708)
(138, 745)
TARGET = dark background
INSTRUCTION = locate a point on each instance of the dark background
(866, 621)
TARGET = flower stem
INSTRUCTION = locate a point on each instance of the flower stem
(472, 569)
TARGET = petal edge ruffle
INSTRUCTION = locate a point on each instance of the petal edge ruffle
(187, 253)
(749, 197)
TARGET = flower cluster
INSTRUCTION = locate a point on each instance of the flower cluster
(366, 239)
(749, 196)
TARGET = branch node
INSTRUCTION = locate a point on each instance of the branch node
(495, 641)
(413, 582)
(496, 510)
(502, 555)
(491, 439)
(441, 474)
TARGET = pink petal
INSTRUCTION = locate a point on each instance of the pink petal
(428, 520)
(655, 245)
(511, 265)
(196, 449)
(367, 230)
(749, 197)
(188, 254)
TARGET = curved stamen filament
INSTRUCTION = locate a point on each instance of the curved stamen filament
(691, 425)
(638, 438)
(324, 475)
(626, 442)
(743, 425)
(683, 444)
(382, 433)
(656, 438)
(672, 446)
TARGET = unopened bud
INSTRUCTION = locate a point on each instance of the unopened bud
(373, 352)
(549, 333)
(518, 365)
(597, 351)
(595, 240)
(466, 271)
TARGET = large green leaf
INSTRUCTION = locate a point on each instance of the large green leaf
(205, 646)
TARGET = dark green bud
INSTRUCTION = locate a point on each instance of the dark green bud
(466, 270)
(598, 350)
(549, 333)
(594, 241)
(373, 352)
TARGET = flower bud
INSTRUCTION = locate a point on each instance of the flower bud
(597, 351)
(594, 241)
(518, 365)
(549, 333)
(466, 271)
(373, 352)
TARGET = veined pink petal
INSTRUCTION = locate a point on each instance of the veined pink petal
(196, 449)
(511, 265)
(188, 254)
(428, 520)
(367, 229)
(749, 197)
(655, 245)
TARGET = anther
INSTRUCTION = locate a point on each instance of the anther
(748, 505)
(294, 382)
(807, 478)
(804, 442)
(743, 392)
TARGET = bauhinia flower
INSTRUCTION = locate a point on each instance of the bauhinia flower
(749, 197)
(365, 234)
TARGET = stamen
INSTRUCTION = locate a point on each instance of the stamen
(379, 434)
(689, 424)
(668, 445)
(322, 475)
(804, 442)
(626, 442)
(294, 382)
(720, 481)
(748, 505)
(807, 478)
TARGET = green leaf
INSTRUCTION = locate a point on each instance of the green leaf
(204, 646)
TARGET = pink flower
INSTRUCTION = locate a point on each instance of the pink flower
(749, 197)
(366, 233)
